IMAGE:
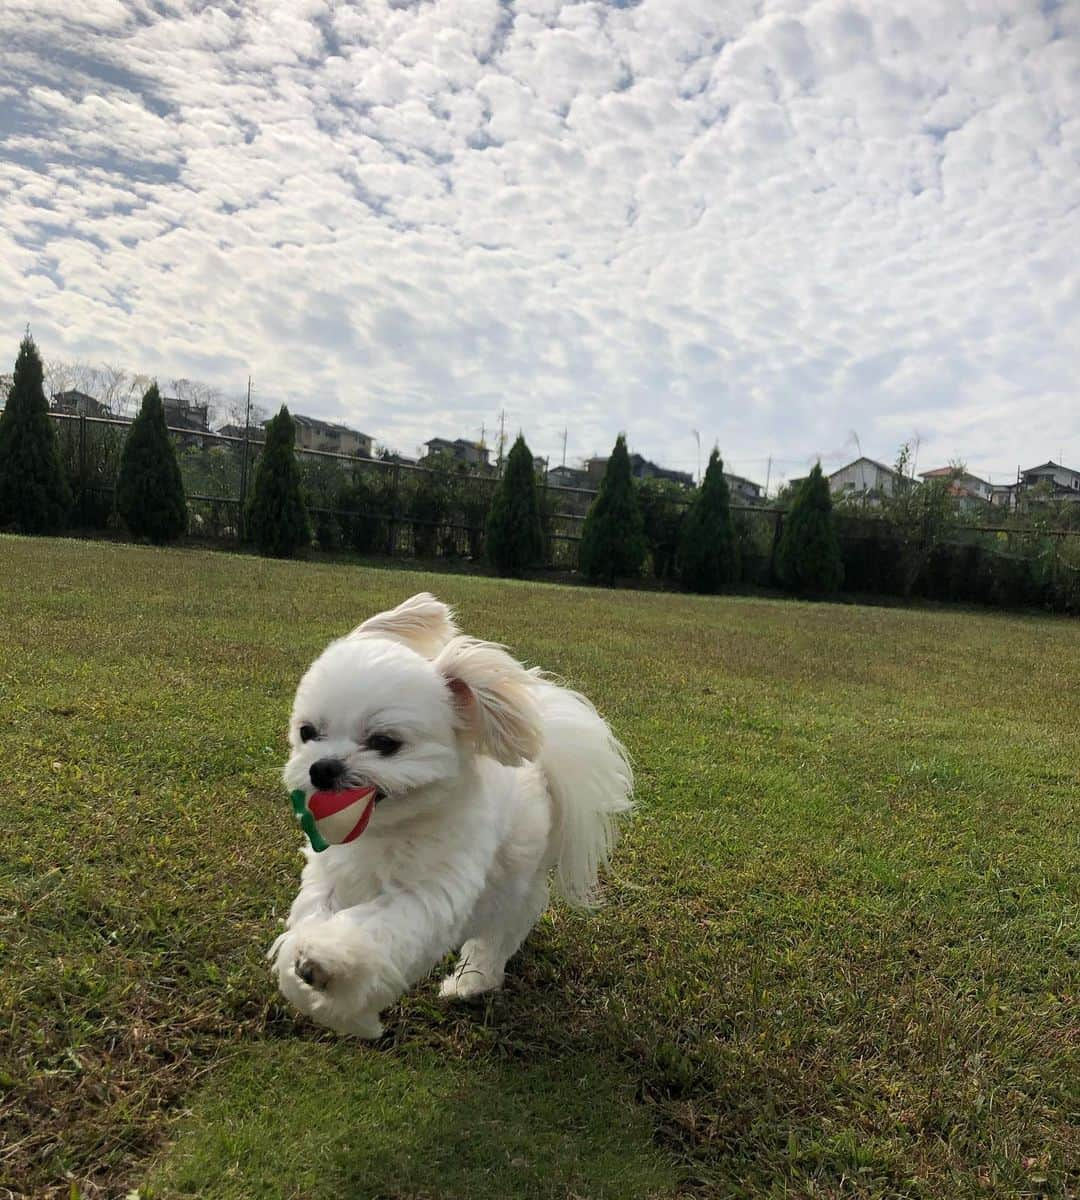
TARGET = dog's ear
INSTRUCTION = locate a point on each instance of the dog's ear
(494, 699)
(422, 623)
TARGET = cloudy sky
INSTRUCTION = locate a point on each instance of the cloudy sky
(798, 228)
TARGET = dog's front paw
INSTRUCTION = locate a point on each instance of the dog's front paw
(334, 973)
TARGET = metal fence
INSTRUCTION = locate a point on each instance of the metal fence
(380, 506)
(367, 504)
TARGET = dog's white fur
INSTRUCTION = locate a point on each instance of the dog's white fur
(502, 777)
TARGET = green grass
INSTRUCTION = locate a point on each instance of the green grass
(840, 955)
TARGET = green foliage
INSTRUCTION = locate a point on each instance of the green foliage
(663, 510)
(90, 454)
(708, 554)
(428, 504)
(472, 500)
(35, 496)
(808, 558)
(321, 483)
(613, 536)
(277, 520)
(366, 502)
(149, 490)
(215, 471)
(515, 539)
(921, 515)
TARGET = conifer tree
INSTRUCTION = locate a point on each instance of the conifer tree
(149, 490)
(808, 559)
(277, 521)
(35, 496)
(613, 536)
(515, 538)
(708, 552)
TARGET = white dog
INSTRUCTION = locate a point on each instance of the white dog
(487, 777)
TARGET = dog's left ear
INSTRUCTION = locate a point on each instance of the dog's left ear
(494, 699)
(422, 623)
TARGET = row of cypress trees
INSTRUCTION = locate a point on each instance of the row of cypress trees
(613, 542)
(35, 498)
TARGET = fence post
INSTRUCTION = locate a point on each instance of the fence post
(82, 468)
(391, 527)
(778, 527)
(243, 485)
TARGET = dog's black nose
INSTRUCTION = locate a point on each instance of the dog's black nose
(326, 772)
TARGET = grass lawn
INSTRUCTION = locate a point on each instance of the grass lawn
(840, 955)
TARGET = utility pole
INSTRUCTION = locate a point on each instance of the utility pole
(564, 447)
(768, 476)
(697, 438)
(502, 438)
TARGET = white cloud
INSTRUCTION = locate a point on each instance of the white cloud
(776, 223)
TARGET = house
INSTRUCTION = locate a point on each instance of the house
(254, 434)
(744, 491)
(640, 468)
(1003, 495)
(964, 485)
(78, 404)
(315, 434)
(568, 477)
(1061, 482)
(472, 454)
(186, 418)
(864, 477)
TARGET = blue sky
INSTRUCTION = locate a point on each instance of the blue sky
(799, 228)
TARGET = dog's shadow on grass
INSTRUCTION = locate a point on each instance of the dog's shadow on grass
(501, 1096)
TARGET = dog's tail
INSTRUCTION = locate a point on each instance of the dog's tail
(590, 782)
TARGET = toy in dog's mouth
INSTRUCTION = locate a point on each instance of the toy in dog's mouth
(334, 818)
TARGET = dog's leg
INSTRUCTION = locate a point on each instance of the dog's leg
(508, 915)
(342, 970)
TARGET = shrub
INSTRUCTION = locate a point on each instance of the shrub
(708, 555)
(149, 491)
(514, 536)
(613, 536)
(90, 455)
(921, 516)
(365, 504)
(429, 506)
(34, 493)
(808, 558)
(277, 521)
(662, 510)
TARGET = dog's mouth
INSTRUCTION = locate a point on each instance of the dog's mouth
(335, 818)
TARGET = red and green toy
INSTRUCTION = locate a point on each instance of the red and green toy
(333, 818)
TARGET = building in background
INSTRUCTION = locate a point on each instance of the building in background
(472, 454)
(1062, 483)
(312, 433)
(964, 486)
(864, 478)
(640, 468)
(744, 491)
(568, 477)
(78, 404)
(254, 433)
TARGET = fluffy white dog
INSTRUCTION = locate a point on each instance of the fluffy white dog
(487, 777)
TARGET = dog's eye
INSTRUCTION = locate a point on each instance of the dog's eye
(384, 744)
(308, 733)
